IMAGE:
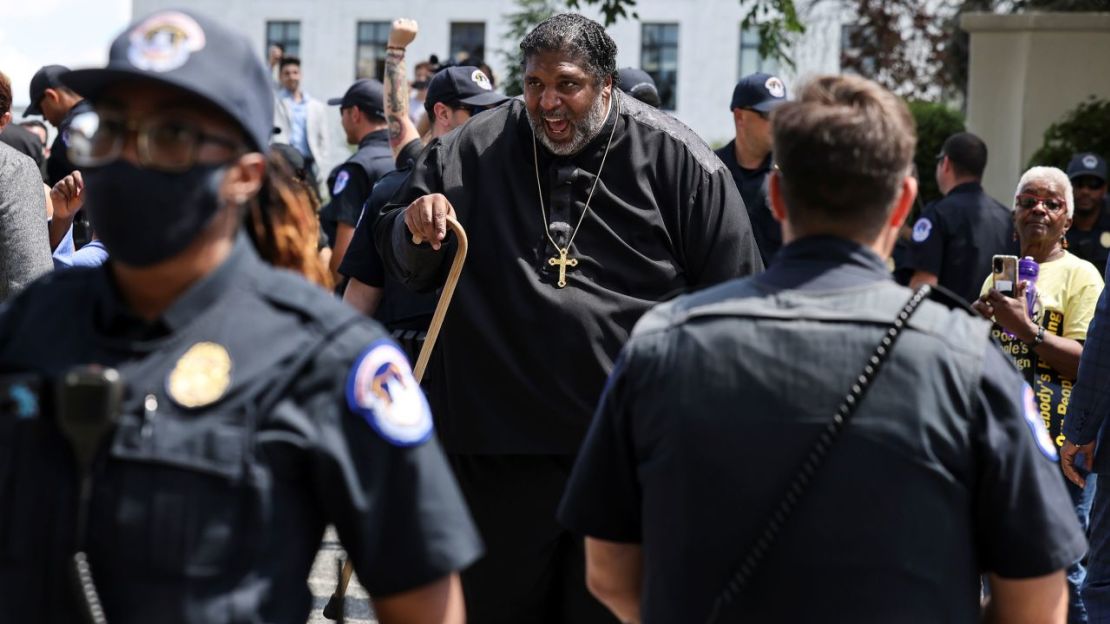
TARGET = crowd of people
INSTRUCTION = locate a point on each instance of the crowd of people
(674, 384)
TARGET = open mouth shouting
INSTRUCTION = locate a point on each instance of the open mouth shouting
(557, 127)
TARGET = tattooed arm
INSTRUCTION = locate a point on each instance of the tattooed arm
(401, 129)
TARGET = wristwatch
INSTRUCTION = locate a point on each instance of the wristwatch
(1038, 339)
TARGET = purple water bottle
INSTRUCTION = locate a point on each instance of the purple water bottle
(1028, 270)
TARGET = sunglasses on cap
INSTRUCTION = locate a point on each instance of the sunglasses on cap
(1088, 182)
(1027, 201)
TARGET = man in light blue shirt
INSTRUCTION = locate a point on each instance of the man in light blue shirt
(301, 119)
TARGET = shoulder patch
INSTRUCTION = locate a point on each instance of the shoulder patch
(1036, 424)
(341, 180)
(381, 388)
(922, 229)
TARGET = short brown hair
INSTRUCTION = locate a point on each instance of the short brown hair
(5, 93)
(843, 148)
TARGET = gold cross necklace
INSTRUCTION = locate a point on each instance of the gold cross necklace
(561, 260)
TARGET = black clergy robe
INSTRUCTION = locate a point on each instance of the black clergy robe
(521, 363)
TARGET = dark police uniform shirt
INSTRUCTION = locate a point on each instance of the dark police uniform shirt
(957, 236)
(752, 184)
(58, 165)
(520, 363)
(350, 183)
(1092, 245)
(214, 514)
(400, 309)
(944, 472)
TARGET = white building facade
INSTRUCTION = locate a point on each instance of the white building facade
(695, 48)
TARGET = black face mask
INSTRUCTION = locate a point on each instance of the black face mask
(144, 216)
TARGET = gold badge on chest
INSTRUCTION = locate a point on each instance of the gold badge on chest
(201, 376)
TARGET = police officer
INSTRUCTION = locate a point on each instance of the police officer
(217, 413)
(455, 94)
(748, 157)
(945, 471)
(1089, 234)
(362, 114)
(955, 238)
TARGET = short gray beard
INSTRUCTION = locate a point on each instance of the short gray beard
(584, 131)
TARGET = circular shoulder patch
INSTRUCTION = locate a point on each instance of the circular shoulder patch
(922, 229)
(341, 180)
(1036, 424)
(381, 388)
(1104, 240)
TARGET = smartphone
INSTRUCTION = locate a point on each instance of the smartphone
(1005, 274)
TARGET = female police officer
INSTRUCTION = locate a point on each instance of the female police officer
(249, 409)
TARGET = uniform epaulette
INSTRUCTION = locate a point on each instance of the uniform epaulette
(291, 291)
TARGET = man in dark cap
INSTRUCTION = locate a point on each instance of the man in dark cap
(455, 95)
(186, 420)
(362, 113)
(59, 104)
(748, 156)
(639, 84)
(1089, 234)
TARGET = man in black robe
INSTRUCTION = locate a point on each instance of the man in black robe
(584, 207)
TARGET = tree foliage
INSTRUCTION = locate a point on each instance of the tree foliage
(776, 21)
(935, 123)
(901, 44)
(1085, 128)
(529, 13)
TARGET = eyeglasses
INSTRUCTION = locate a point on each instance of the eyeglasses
(1051, 204)
(1088, 182)
(164, 141)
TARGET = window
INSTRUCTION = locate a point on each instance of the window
(288, 34)
(468, 42)
(370, 49)
(856, 52)
(750, 60)
(659, 58)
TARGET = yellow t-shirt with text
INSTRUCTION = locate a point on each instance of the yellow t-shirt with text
(1067, 293)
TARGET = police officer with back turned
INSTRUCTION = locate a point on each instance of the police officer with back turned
(178, 427)
(715, 484)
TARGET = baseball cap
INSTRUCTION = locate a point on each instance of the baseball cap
(761, 92)
(1087, 165)
(463, 84)
(365, 93)
(639, 84)
(189, 51)
(45, 78)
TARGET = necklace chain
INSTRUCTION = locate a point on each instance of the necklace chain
(539, 188)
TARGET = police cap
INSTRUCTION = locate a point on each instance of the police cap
(45, 78)
(367, 94)
(189, 51)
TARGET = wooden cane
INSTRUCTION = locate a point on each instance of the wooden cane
(334, 609)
